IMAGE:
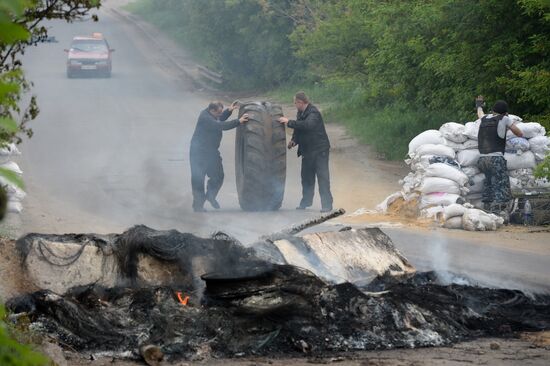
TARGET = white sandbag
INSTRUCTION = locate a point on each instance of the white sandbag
(419, 163)
(517, 144)
(541, 183)
(468, 157)
(433, 212)
(522, 177)
(411, 181)
(383, 206)
(540, 146)
(518, 173)
(10, 165)
(515, 183)
(8, 186)
(468, 144)
(470, 171)
(453, 223)
(478, 220)
(539, 142)
(476, 183)
(9, 150)
(453, 210)
(515, 118)
(426, 137)
(453, 131)
(14, 193)
(442, 170)
(529, 129)
(433, 149)
(438, 199)
(435, 184)
(523, 161)
(14, 207)
(471, 129)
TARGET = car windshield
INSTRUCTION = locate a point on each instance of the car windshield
(89, 46)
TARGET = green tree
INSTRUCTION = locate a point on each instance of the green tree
(246, 40)
(20, 27)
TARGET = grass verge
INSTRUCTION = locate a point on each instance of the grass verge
(388, 129)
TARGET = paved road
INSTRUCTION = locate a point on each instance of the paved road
(111, 153)
(115, 151)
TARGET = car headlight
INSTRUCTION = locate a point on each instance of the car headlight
(74, 62)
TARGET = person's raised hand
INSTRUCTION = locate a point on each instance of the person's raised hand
(291, 144)
(480, 101)
(244, 118)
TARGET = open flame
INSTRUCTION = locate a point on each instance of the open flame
(182, 300)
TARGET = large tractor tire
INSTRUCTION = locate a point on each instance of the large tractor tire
(260, 158)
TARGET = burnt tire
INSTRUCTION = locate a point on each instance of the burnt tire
(260, 158)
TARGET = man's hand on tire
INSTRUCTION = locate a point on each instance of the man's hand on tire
(291, 144)
(244, 118)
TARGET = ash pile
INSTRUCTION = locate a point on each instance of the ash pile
(445, 184)
(172, 295)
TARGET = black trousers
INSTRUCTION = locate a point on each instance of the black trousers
(316, 166)
(205, 164)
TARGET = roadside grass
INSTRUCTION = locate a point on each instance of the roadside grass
(18, 343)
(388, 130)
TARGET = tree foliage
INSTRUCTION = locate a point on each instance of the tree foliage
(246, 40)
(21, 27)
(436, 54)
(415, 57)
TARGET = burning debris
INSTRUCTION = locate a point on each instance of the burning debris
(277, 310)
(224, 299)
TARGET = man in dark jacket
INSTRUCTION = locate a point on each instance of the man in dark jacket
(492, 143)
(205, 155)
(313, 146)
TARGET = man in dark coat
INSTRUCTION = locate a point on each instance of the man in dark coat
(313, 146)
(205, 155)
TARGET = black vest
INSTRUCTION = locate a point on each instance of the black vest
(488, 138)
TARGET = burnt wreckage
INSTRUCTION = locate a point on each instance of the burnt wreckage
(243, 300)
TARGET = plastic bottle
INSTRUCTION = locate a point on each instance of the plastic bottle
(527, 213)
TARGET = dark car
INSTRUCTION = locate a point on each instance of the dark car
(89, 55)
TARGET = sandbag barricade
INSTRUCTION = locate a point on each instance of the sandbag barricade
(444, 174)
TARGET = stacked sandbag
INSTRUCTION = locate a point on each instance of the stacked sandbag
(463, 140)
(15, 194)
(435, 175)
(524, 153)
(444, 173)
(478, 220)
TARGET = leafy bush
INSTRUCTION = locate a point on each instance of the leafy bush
(12, 353)
(410, 64)
(543, 169)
